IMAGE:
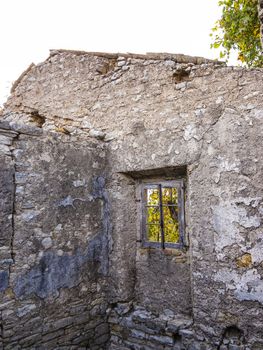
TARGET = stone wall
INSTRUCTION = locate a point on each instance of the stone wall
(133, 327)
(104, 122)
(54, 241)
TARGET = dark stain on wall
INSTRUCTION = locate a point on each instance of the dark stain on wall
(54, 272)
(4, 275)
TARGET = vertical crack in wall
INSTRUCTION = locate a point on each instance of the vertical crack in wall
(13, 160)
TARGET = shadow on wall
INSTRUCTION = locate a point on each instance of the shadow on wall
(232, 337)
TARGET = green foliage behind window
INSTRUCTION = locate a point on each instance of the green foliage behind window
(169, 214)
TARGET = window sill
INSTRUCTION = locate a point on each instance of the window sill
(177, 255)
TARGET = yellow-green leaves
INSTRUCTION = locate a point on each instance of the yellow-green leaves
(164, 213)
(239, 29)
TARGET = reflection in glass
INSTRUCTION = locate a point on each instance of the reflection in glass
(169, 195)
(152, 196)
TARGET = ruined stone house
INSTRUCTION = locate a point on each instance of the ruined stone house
(87, 261)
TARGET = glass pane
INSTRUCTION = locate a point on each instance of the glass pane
(169, 195)
(153, 215)
(153, 233)
(151, 196)
(170, 214)
(171, 233)
(171, 225)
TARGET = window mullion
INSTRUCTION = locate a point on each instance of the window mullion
(161, 215)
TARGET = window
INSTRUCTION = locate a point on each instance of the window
(163, 214)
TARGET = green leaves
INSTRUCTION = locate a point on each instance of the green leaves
(169, 217)
(239, 29)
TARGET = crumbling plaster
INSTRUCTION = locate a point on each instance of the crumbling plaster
(122, 116)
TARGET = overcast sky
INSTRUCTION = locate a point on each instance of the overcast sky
(29, 28)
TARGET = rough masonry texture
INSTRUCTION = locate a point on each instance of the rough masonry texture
(77, 135)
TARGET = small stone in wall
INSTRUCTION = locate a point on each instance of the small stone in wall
(181, 86)
(47, 242)
(22, 311)
(30, 215)
(86, 124)
(97, 134)
(244, 261)
(121, 63)
(58, 228)
(60, 252)
(79, 183)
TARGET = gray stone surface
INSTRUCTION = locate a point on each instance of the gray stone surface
(52, 253)
(76, 137)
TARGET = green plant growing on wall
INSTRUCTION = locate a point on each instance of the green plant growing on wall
(239, 29)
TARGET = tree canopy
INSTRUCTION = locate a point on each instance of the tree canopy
(239, 29)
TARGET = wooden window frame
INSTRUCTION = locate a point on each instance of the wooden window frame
(179, 184)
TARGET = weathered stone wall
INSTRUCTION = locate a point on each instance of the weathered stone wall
(7, 189)
(133, 327)
(56, 233)
(150, 116)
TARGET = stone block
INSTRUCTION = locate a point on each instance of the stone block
(162, 339)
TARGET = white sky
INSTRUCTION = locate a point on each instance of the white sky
(29, 28)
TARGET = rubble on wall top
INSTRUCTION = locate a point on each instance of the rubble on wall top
(158, 56)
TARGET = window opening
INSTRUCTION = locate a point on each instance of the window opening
(163, 214)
